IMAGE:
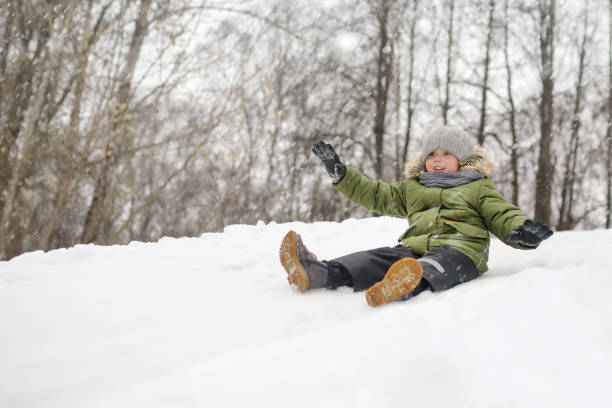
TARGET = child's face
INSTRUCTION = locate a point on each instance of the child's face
(441, 161)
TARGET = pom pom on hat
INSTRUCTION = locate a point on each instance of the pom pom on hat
(454, 140)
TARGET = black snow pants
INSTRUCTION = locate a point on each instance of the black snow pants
(443, 268)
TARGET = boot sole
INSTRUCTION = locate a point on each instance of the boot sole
(401, 278)
(296, 275)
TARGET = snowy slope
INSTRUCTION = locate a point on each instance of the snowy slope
(211, 322)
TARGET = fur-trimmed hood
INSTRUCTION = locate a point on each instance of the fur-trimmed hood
(477, 160)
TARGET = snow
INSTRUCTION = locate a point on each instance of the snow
(212, 322)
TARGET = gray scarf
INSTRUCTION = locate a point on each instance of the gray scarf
(449, 180)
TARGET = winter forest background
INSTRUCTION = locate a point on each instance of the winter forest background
(126, 120)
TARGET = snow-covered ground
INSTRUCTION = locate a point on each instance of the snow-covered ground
(212, 322)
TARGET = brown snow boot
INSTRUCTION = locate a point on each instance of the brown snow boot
(304, 271)
(401, 278)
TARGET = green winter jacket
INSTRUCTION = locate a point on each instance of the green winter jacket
(460, 217)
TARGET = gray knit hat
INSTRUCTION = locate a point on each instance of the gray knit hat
(454, 140)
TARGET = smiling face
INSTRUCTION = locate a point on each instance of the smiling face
(441, 161)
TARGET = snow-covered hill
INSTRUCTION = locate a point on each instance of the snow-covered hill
(211, 322)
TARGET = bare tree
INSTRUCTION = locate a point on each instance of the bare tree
(162, 119)
(27, 92)
(410, 94)
(397, 94)
(383, 81)
(69, 163)
(609, 127)
(514, 149)
(20, 162)
(449, 62)
(26, 34)
(101, 197)
(545, 172)
(566, 213)
(485, 81)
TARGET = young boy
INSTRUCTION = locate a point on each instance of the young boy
(451, 206)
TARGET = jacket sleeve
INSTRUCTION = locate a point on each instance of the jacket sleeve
(377, 196)
(499, 215)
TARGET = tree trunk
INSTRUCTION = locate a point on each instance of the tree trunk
(410, 93)
(544, 175)
(566, 218)
(96, 215)
(20, 162)
(68, 176)
(609, 129)
(17, 88)
(485, 82)
(383, 81)
(449, 63)
(514, 153)
(5, 47)
(397, 97)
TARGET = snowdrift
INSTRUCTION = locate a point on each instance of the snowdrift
(211, 322)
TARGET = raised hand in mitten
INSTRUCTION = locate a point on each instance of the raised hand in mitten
(530, 234)
(331, 161)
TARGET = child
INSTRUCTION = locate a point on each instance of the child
(451, 205)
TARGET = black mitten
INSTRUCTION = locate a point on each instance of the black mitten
(331, 161)
(530, 234)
